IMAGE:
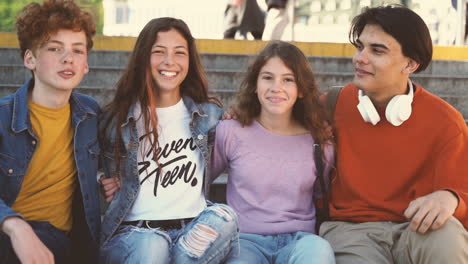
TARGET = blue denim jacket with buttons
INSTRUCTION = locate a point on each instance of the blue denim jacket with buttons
(18, 143)
(205, 117)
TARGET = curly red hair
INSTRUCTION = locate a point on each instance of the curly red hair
(36, 22)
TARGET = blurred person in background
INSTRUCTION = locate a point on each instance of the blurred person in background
(243, 16)
(277, 18)
(455, 5)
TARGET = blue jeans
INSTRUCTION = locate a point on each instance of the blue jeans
(208, 238)
(298, 247)
(54, 239)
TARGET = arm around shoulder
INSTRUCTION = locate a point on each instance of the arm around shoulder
(214, 113)
(219, 159)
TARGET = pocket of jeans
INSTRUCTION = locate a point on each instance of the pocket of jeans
(123, 229)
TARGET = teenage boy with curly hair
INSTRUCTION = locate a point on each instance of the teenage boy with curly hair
(48, 142)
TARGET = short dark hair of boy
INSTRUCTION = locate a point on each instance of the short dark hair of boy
(36, 22)
(401, 23)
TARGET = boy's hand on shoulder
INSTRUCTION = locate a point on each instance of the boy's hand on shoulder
(430, 212)
(27, 246)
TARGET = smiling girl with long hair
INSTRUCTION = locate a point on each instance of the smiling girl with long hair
(156, 137)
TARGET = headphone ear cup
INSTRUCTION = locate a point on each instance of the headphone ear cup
(367, 110)
(398, 109)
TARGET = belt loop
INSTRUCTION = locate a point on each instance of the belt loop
(147, 224)
(140, 223)
(182, 223)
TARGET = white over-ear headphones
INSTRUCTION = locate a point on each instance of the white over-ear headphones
(398, 109)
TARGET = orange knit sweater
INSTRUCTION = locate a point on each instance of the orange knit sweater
(382, 168)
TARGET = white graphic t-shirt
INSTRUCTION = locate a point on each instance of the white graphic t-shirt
(176, 191)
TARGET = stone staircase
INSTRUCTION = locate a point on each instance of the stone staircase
(447, 79)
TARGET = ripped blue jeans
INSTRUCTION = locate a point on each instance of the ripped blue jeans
(209, 238)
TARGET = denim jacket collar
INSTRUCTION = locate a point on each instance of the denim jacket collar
(192, 107)
(20, 118)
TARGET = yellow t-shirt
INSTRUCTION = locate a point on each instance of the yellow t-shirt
(47, 190)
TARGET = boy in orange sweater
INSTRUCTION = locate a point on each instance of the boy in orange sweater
(400, 193)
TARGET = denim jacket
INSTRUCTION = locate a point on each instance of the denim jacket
(18, 143)
(205, 117)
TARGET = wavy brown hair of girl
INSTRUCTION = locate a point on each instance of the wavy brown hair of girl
(308, 110)
(137, 84)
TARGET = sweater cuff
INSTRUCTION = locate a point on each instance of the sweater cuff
(454, 194)
(460, 211)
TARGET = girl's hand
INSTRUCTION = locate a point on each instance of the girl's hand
(231, 113)
(109, 186)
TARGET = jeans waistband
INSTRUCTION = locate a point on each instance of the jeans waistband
(163, 224)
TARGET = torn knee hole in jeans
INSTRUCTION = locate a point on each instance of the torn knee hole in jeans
(222, 212)
(199, 239)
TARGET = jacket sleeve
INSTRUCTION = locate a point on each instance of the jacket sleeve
(451, 171)
(6, 211)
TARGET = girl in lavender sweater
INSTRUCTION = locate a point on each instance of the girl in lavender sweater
(268, 153)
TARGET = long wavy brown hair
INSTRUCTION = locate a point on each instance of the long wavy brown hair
(308, 110)
(136, 85)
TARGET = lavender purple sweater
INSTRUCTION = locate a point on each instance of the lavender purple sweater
(271, 177)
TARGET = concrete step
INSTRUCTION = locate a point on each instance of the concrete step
(10, 55)
(447, 79)
(100, 81)
(239, 62)
(105, 95)
(230, 80)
